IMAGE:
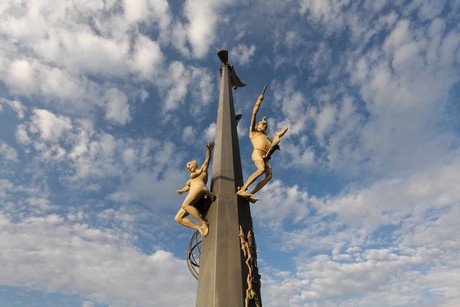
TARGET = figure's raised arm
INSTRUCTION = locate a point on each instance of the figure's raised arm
(254, 113)
(256, 109)
(210, 147)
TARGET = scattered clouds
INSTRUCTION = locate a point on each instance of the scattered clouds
(57, 54)
(203, 17)
(8, 152)
(396, 234)
(210, 132)
(98, 264)
(329, 13)
(49, 126)
(15, 105)
(372, 278)
(403, 70)
(281, 204)
(117, 108)
(243, 53)
(368, 91)
(147, 58)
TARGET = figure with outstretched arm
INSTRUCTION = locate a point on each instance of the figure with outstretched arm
(196, 188)
(263, 148)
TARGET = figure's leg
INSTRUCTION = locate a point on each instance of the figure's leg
(203, 228)
(195, 213)
(180, 218)
(191, 199)
(268, 176)
(260, 170)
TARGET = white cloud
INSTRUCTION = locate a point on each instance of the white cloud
(395, 202)
(203, 20)
(21, 135)
(147, 58)
(325, 121)
(343, 251)
(210, 132)
(16, 105)
(117, 108)
(49, 126)
(147, 166)
(8, 152)
(188, 135)
(21, 75)
(299, 154)
(293, 106)
(329, 13)
(87, 52)
(135, 11)
(55, 54)
(375, 277)
(243, 54)
(404, 87)
(87, 304)
(281, 204)
(202, 17)
(99, 264)
(201, 87)
(402, 91)
(149, 12)
(369, 92)
(179, 79)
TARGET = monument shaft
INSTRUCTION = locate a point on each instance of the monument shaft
(224, 274)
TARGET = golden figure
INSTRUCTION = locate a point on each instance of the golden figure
(197, 188)
(263, 148)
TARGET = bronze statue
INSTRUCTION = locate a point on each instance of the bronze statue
(197, 189)
(263, 149)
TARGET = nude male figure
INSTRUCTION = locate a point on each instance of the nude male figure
(263, 148)
(197, 188)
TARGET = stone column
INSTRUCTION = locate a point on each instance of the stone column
(223, 273)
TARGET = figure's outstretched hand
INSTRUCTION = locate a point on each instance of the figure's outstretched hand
(261, 97)
(210, 145)
(179, 192)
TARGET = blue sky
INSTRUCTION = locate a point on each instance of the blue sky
(103, 103)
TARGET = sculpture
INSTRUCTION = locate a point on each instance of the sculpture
(197, 189)
(251, 261)
(246, 248)
(263, 149)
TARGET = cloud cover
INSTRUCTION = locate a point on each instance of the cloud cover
(103, 102)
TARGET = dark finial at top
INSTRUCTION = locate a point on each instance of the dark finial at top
(236, 82)
(223, 56)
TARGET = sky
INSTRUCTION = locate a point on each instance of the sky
(102, 103)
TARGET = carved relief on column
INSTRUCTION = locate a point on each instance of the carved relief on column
(249, 252)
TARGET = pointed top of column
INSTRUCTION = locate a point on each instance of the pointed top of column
(223, 56)
(236, 82)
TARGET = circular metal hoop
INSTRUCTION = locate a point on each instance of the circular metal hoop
(192, 255)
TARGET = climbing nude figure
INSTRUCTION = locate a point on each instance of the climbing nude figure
(196, 188)
(263, 149)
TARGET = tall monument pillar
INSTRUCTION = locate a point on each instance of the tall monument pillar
(228, 273)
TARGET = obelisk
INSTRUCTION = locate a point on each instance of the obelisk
(226, 278)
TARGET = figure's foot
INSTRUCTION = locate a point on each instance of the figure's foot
(204, 229)
(252, 199)
(246, 195)
(243, 193)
